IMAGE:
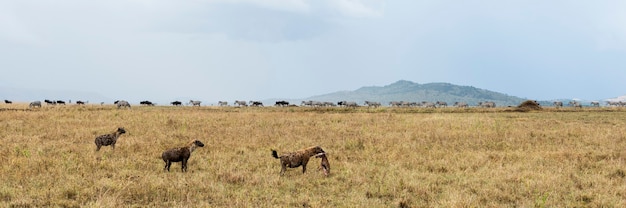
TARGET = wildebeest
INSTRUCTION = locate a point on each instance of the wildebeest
(34, 104)
(60, 102)
(241, 103)
(8, 102)
(80, 102)
(194, 102)
(222, 103)
(176, 103)
(109, 139)
(348, 104)
(50, 102)
(256, 103)
(441, 104)
(146, 103)
(180, 154)
(297, 158)
(281, 103)
(122, 103)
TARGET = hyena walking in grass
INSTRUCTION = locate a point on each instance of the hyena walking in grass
(109, 139)
(297, 158)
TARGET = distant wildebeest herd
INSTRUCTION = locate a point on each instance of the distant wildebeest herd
(312, 103)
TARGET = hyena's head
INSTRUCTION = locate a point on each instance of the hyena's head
(121, 130)
(198, 143)
(317, 150)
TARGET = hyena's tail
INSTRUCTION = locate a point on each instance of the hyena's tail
(275, 154)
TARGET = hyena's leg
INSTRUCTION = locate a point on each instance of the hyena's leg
(184, 166)
(167, 165)
(304, 162)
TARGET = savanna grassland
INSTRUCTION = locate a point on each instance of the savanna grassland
(386, 157)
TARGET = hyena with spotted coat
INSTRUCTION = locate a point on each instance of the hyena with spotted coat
(180, 154)
(297, 158)
(109, 139)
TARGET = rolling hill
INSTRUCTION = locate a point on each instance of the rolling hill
(410, 91)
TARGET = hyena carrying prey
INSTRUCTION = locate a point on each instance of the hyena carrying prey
(109, 139)
(325, 166)
(297, 158)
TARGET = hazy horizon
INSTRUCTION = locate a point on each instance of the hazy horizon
(262, 49)
(28, 95)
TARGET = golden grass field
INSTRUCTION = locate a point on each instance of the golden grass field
(386, 157)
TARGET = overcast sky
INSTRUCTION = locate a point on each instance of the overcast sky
(214, 50)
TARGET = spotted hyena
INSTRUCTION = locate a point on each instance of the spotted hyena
(109, 139)
(180, 154)
(297, 158)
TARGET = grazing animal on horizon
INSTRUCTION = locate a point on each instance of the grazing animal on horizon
(461, 104)
(372, 104)
(614, 103)
(194, 102)
(8, 102)
(348, 104)
(256, 103)
(324, 166)
(176, 103)
(487, 104)
(297, 158)
(222, 103)
(557, 104)
(34, 104)
(109, 139)
(180, 154)
(281, 103)
(146, 103)
(395, 103)
(50, 102)
(121, 103)
(575, 104)
(241, 103)
(427, 104)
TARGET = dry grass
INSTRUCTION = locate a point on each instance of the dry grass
(380, 157)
